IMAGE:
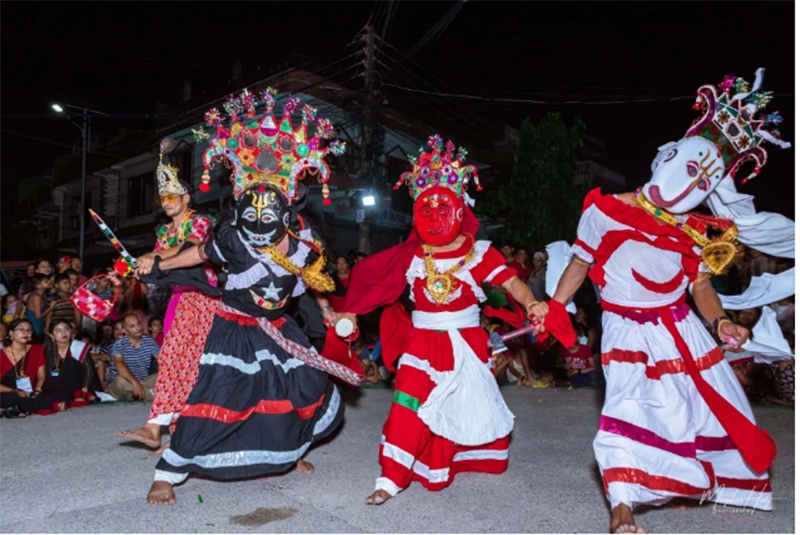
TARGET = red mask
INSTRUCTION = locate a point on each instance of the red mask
(438, 214)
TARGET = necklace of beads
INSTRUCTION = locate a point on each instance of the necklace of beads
(179, 237)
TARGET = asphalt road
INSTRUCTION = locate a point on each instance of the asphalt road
(70, 473)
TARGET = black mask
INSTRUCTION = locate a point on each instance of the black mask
(262, 215)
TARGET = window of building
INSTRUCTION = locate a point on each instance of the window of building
(141, 195)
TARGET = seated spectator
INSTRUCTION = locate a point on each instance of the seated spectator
(341, 280)
(508, 252)
(130, 362)
(77, 266)
(3, 334)
(27, 286)
(781, 374)
(579, 365)
(13, 309)
(110, 332)
(21, 372)
(69, 368)
(359, 256)
(62, 308)
(37, 307)
(133, 300)
(536, 280)
(518, 264)
(63, 264)
(156, 326)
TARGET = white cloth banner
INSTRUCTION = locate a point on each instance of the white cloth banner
(770, 233)
(763, 290)
(466, 406)
(559, 257)
(768, 344)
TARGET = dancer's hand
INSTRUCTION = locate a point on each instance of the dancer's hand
(538, 311)
(144, 265)
(733, 335)
(346, 315)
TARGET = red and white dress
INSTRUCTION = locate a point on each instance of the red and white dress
(447, 415)
(658, 437)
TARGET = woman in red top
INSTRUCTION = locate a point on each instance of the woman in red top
(342, 281)
(21, 372)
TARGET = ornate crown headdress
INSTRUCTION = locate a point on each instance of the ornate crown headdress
(167, 175)
(729, 121)
(269, 150)
(443, 166)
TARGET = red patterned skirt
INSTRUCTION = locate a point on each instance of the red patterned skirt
(179, 359)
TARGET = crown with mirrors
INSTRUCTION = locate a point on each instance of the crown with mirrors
(442, 166)
(269, 150)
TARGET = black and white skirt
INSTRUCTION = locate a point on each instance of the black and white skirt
(256, 408)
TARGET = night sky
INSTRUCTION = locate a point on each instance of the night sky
(129, 56)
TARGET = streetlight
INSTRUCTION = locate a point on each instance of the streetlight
(368, 200)
(85, 134)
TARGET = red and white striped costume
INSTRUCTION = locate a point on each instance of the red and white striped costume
(447, 414)
(658, 438)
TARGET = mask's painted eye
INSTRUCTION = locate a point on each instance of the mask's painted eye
(692, 169)
(671, 155)
(704, 184)
(267, 217)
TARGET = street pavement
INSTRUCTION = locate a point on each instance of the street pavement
(70, 473)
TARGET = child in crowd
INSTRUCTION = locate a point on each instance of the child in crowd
(12, 308)
(74, 277)
(63, 308)
(579, 365)
(156, 325)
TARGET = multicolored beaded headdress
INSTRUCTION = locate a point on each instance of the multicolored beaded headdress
(269, 150)
(729, 122)
(167, 175)
(441, 167)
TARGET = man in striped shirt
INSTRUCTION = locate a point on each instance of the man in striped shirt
(130, 362)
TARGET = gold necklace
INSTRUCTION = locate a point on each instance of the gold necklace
(312, 275)
(718, 254)
(440, 284)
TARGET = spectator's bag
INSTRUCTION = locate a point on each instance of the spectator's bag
(92, 305)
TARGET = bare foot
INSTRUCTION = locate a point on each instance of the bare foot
(149, 435)
(378, 497)
(161, 493)
(304, 467)
(679, 504)
(61, 407)
(622, 520)
(160, 450)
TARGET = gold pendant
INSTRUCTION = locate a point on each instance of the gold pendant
(718, 256)
(439, 287)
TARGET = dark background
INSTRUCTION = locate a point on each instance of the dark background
(129, 56)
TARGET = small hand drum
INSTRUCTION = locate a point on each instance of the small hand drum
(92, 305)
(346, 330)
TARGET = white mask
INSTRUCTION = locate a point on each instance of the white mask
(684, 174)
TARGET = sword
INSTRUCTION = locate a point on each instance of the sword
(127, 258)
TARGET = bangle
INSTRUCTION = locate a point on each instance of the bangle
(581, 261)
(718, 323)
(327, 308)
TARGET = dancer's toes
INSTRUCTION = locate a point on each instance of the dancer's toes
(378, 497)
(160, 450)
(304, 467)
(161, 493)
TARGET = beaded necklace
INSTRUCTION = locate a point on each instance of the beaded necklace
(167, 241)
(440, 284)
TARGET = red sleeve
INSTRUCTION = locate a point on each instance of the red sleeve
(492, 268)
(5, 364)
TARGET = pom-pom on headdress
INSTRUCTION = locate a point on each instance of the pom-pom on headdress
(269, 150)
(167, 175)
(729, 121)
(443, 166)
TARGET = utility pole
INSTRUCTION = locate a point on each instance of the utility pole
(372, 141)
(82, 207)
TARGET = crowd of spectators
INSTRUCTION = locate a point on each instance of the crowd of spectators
(53, 357)
(117, 359)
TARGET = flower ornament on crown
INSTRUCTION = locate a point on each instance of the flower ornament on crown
(270, 149)
(443, 166)
(729, 121)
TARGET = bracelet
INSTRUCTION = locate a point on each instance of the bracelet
(327, 308)
(718, 322)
